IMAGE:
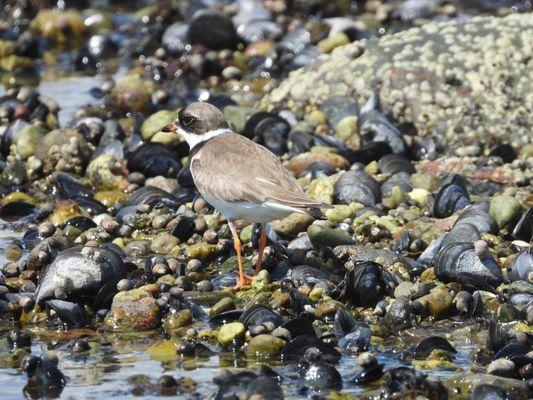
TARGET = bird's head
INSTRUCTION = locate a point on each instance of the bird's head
(197, 123)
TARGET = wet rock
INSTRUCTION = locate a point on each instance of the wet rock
(133, 310)
(264, 346)
(177, 319)
(130, 93)
(163, 243)
(232, 333)
(398, 315)
(151, 127)
(502, 367)
(212, 29)
(64, 26)
(44, 377)
(505, 210)
(330, 237)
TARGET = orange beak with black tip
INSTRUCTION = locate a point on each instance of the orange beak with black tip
(170, 128)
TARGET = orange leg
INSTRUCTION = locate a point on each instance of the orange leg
(262, 245)
(243, 279)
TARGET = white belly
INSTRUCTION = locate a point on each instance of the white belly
(253, 212)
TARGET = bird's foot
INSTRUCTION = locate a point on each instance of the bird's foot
(242, 282)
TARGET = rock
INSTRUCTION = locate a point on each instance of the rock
(398, 315)
(264, 346)
(505, 210)
(439, 302)
(292, 225)
(178, 319)
(322, 190)
(237, 116)
(321, 237)
(224, 304)
(419, 86)
(163, 243)
(338, 39)
(26, 140)
(212, 29)
(105, 172)
(130, 93)
(339, 213)
(299, 163)
(64, 26)
(174, 38)
(502, 367)
(232, 333)
(134, 310)
(403, 289)
(155, 122)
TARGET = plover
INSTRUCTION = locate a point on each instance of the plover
(238, 177)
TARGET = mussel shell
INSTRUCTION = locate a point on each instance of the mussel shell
(80, 222)
(105, 295)
(451, 197)
(374, 126)
(343, 323)
(426, 346)
(258, 315)
(357, 187)
(524, 227)
(295, 349)
(487, 391)
(521, 266)
(458, 262)
(303, 274)
(512, 349)
(16, 210)
(184, 229)
(92, 206)
(393, 163)
(321, 376)
(70, 313)
(78, 276)
(31, 238)
(368, 375)
(505, 151)
(299, 326)
(152, 195)
(153, 159)
(68, 186)
(358, 339)
(400, 179)
(462, 233)
(298, 301)
(364, 285)
(477, 215)
(226, 317)
(271, 129)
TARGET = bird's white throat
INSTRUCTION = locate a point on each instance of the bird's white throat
(194, 140)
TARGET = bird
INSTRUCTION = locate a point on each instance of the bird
(240, 178)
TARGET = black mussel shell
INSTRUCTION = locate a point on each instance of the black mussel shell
(298, 301)
(364, 285)
(319, 376)
(92, 206)
(512, 349)
(374, 126)
(451, 197)
(80, 222)
(184, 177)
(462, 233)
(299, 326)
(524, 228)
(302, 274)
(403, 243)
(105, 295)
(487, 391)
(152, 195)
(400, 179)
(521, 266)
(497, 337)
(359, 187)
(271, 129)
(477, 215)
(300, 142)
(343, 323)
(358, 339)
(184, 228)
(295, 349)
(505, 151)
(393, 163)
(426, 346)
(18, 339)
(153, 159)
(31, 238)
(68, 186)
(16, 210)
(368, 375)
(369, 152)
(226, 317)
(458, 262)
(70, 313)
(258, 315)
(403, 381)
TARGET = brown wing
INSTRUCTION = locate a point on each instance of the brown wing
(231, 167)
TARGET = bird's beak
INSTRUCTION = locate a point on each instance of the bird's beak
(170, 128)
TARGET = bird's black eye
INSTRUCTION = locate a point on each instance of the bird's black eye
(187, 120)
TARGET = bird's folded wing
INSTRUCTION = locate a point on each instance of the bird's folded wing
(240, 170)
